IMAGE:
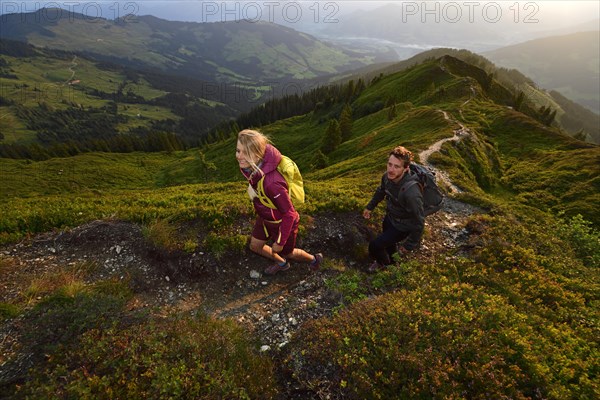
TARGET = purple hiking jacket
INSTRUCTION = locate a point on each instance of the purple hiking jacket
(276, 189)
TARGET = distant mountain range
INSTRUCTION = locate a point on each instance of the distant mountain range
(241, 52)
(565, 63)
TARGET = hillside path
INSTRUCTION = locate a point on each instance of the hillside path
(459, 134)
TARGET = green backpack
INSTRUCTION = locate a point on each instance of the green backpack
(290, 172)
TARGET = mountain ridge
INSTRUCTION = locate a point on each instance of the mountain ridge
(215, 51)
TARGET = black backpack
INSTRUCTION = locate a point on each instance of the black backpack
(433, 198)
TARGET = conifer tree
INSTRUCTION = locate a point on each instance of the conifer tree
(333, 137)
(345, 123)
(519, 101)
(319, 161)
(581, 135)
(350, 90)
(392, 112)
(360, 86)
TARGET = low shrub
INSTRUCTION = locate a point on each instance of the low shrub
(451, 341)
(175, 358)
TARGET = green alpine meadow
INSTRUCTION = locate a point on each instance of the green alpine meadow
(503, 301)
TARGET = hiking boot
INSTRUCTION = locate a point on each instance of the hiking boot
(314, 266)
(374, 267)
(275, 268)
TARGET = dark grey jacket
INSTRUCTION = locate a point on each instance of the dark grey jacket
(404, 207)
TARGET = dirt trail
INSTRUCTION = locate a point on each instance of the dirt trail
(72, 69)
(459, 134)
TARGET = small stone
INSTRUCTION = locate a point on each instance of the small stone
(167, 279)
(254, 274)
(265, 347)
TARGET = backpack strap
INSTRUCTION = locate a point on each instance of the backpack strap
(262, 196)
(410, 184)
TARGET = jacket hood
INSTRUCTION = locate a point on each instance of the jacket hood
(268, 164)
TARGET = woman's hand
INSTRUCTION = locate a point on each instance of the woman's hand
(251, 192)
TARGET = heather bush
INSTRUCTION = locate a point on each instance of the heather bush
(449, 341)
(175, 358)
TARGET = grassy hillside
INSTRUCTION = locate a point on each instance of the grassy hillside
(570, 116)
(512, 314)
(522, 144)
(44, 79)
(568, 64)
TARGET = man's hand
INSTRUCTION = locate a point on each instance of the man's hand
(366, 214)
(402, 251)
(277, 248)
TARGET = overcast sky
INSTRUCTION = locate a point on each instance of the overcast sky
(543, 12)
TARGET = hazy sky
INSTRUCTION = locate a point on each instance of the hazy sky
(546, 13)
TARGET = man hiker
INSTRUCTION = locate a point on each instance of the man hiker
(404, 218)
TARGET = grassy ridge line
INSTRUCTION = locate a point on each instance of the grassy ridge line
(364, 153)
(540, 167)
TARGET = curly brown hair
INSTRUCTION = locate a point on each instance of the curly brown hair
(403, 154)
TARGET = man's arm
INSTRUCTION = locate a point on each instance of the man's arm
(376, 199)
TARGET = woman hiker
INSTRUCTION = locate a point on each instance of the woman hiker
(258, 158)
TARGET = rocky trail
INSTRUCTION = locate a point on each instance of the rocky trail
(232, 286)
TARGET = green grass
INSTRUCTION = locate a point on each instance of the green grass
(81, 174)
(110, 352)
(46, 77)
(144, 89)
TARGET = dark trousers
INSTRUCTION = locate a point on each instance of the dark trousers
(383, 246)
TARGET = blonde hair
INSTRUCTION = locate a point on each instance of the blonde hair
(254, 145)
(401, 153)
